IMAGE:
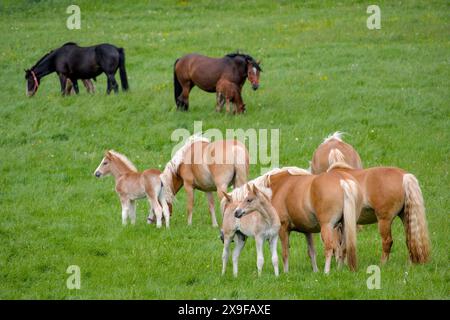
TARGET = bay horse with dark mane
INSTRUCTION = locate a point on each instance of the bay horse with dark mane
(205, 72)
(73, 62)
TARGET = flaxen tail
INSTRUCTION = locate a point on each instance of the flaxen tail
(351, 205)
(335, 156)
(415, 222)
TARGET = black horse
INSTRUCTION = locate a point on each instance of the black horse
(73, 62)
(204, 72)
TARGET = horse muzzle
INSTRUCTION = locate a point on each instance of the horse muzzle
(255, 86)
(97, 174)
(239, 213)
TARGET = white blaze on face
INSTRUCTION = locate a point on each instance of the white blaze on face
(99, 166)
(254, 71)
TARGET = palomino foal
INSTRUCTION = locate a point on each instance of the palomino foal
(132, 185)
(253, 216)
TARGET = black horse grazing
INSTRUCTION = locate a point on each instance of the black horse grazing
(204, 72)
(73, 62)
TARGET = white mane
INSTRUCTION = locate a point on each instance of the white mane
(174, 163)
(124, 159)
(337, 136)
(262, 183)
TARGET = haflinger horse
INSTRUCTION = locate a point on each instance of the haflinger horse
(132, 185)
(309, 204)
(206, 166)
(228, 93)
(205, 72)
(73, 62)
(333, 149)
(252, 216)
(389, 192)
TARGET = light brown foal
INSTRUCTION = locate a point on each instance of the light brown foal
(228, 93)
(132, 185)
(333, 149)
(390, 192)
(208, 167)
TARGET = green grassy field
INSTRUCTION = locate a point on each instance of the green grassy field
(323, 71)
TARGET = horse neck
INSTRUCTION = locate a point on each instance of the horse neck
(177, 183)
(119, 169)
(269, 213)
(45, 67)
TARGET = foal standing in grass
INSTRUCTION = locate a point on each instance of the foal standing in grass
(132, 185)
(253, 216)
(228, 93)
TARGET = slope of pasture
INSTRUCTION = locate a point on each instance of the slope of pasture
(323, 71)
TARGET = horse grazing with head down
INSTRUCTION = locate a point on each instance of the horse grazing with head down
(205, 72)
(73, 62)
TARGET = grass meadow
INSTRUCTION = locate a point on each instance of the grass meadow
(323, 71)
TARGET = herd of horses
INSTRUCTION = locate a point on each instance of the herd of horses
(225, 76)
(332, 197)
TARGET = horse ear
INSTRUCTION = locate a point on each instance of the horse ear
(255, 190)
(248, 188)
(227, 196)
(258, 62)
(108, 154)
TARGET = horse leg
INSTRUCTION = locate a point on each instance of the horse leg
(226, 252)
(133, 211)
(219, 102)
(228, 105)
(165, 208)
(259, 253)
(239, 244)
(112, 83)
(326, 232)
(190, 201)
(211, 208)
(273, 249)
(125, 208)
(284, 237)
(154, 203)
(63, 83)
(75, 85)
(311, 251)
(185, 97)
(384, 227)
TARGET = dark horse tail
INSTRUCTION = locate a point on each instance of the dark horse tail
(178, 89)
(122, 71)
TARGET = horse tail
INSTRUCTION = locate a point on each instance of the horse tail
(122, 71)
(335, 156)
(178, 89)
(414, 221)
(351, 196)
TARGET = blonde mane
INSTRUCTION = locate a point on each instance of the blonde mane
(172, 166)
(340, 165)
(124, 160)
(262, 183)
(336, 136)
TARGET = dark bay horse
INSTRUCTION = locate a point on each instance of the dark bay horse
(73, 62)
(204, 72)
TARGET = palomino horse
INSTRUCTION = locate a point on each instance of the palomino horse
(309, 204)
(73, 62)
(228, 92)
(132, 185)
(204, 72)
(389, 192)
(206, 166)
(252, 216)
(333, 150)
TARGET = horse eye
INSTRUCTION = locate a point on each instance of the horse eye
(249, 200)
(105, 163)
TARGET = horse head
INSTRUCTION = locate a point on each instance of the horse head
(32, 82)
(253, 71)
